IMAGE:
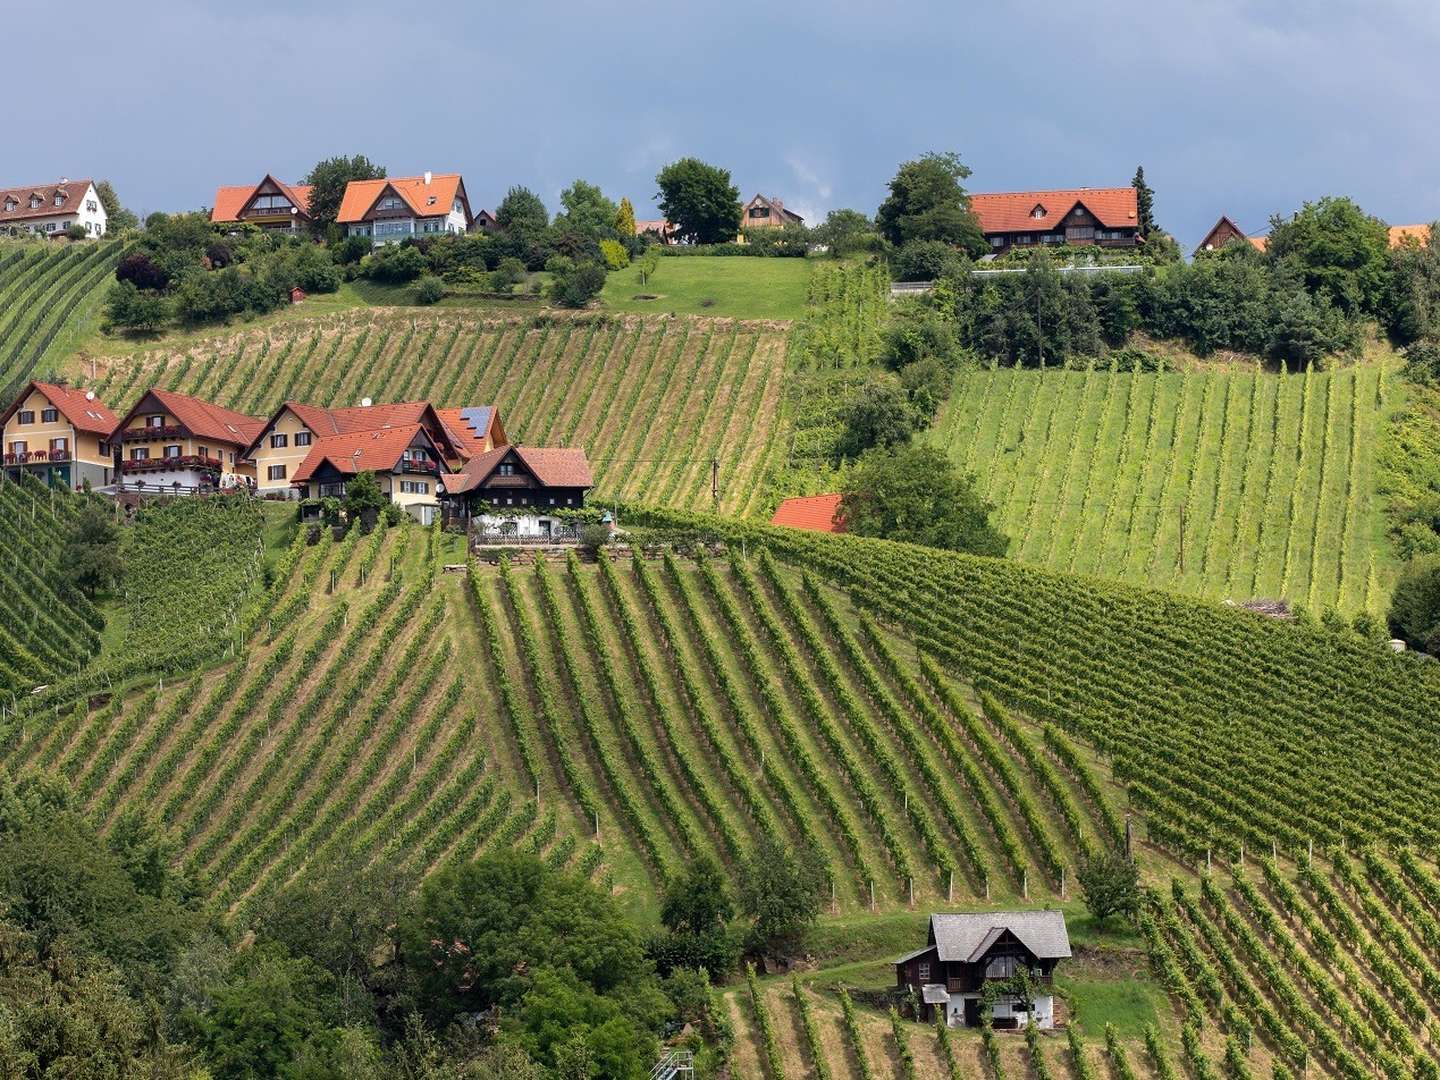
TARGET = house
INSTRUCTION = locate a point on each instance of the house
(173, 441)
(965, 952)
(287, 438)
(763, 213)
(485, 221)
(53, 208)
(662, 231)
(271, 204)
(1404, 234)
(516, 490)
(391, 209)
(817, 513)
(475, 429)
(1222, 233)
(1105, 217)
(404, 457)
(60, 434)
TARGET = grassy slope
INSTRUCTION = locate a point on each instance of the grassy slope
(742, 288)
(1089, 471)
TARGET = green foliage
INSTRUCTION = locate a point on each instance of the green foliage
(574, 285)
(879, 414)
(394, 264)
(1110, 883)
(92, 551)
(1412, 304)
(845, 233)
(781, 891)
(928, 260)
(927, 202)
(1415, 606)
(915, 494)
(117, 218)
(616, 256)
(625, 218)
(362, 493)
(587, 212)
(699, 200)
(329, 179)
(1340, 252)
(429, 290)
(1144, 202)
(128, 308)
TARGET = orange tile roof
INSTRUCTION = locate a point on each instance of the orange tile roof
(203, 419)
(433, 200)
(813, 512)
(1260, 243)
(377, 450)
(553, 466)
(463, 428)
(229, 201)
(1114, 208)
(1399, 234)
(87, 413)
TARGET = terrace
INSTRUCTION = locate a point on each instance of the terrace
(36, 457)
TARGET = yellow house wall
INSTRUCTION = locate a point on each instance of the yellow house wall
(290, 456)
(83, 446)
(227, 452)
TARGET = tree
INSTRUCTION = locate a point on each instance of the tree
(696, 911)
(699, 200)
(845, 232)
(1415, 605)
(926, 260)
(1340, 252)
(880, 414)
(1144, 203)
(587, 211)
(573, 285)
(429, 290)
(92, 552)
(363, 493)
(914, 494)
(128, 308)
(328, 180)
(142, 271)
(927, 202)
(781, 891)
(521, 211)
(117, 218)
(625, 219)
(1110, 883)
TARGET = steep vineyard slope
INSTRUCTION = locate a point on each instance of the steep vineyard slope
(1228, 484)
(48, 629)
(664, 407)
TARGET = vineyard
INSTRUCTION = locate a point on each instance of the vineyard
(49, 628)
(1224, 484)
(653, 402)
(46, 290)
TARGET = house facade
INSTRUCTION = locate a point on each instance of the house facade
(406, 461)
(1221, 233)
(516, 491)
(1103, 217)
(965, 952)
(50, 209)
(271, 204)
(59, 434)
(174, 442)
(390, 210)
(767, 213)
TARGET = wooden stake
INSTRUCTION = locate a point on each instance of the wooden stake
(1025, 884)
(597, 824)
(872, 894)
(950, 889)
(1207, 860)
(1062, 883)
(912, 891)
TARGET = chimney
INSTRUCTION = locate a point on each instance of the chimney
(427, 177)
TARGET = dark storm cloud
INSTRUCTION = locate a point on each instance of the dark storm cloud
(1232, 107)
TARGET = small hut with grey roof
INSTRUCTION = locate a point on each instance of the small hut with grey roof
(967, 951)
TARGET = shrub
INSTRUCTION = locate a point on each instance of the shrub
(508, 274)
(142, 271)
(76, 231)
(429, 290)
(394, 265)
(130, 308)
(576, 286)
(925, 260)
(351, 250)
(1415, 605)
(594, 536)
(615, 255)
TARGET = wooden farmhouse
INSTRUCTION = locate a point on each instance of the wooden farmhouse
(763, 213)
(1221, 233)
(271, 204)
(966, 952)
(1103, 217)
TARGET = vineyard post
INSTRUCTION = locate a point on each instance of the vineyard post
(1207, 860)
(1062, 883)
(912, 890)
(1242, 854)
(1310, 852)
(1274, 848)
(1025, 883)
(1129, 839)
(715, 481)
(950, 889)
(1182, 538)
(597, 824)
(872, 894)
(832, 897)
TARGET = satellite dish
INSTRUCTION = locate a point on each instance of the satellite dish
(365, 402)
(89, 395)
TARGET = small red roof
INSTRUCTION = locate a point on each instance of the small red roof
(78, 405)
(378, 450)
(203, 419)
(1014, 211)
(1399, 234)
(229, 201)
(813, 512)
(434, 199)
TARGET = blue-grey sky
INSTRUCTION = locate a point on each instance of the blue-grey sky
(1233, 107)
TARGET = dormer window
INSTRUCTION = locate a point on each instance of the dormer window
(1038, 213)
(59, 198)
(35, 202)
(11, 203)
(430, 201)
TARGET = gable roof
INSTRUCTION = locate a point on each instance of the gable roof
(376, 450)
(73, 190)
(1223, 222)
(778, 206)
(472, 424)
(444, 188)
(229, 201)
(965, 938)
(813, 512)
(552, 466)
(324, 422)
(1114, 208)
(78, 405)
(203, 419)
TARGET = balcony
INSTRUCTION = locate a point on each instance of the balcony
(181, 463)
(38, 457)
(147, 434)
(428, 468)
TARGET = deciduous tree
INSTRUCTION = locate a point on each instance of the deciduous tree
(1110, 883)
(927, 202)
(699, 200)
(328, 180)
(915, 494)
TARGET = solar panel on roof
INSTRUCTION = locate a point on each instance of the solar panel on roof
(477, 417)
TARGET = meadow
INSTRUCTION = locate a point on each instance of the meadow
(740, 287)
(1224, 483)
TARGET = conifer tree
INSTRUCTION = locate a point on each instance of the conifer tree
(625, 218)
(1144, 202)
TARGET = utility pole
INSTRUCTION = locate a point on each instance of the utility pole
(715, 481)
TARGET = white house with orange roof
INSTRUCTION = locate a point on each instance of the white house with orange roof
(271, 204)
(60, 434)
(397, 207)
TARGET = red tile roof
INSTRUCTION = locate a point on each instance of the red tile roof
(432, 200)
(1399, 234)
(552, 466)
(377, 450)
(73, 190)
(464, 431)
(813, 512)
(1114, 208)
(203, 419)
(78, 405)
(229, 201)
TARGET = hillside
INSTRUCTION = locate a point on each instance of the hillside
(652, 401)
(1221, 483)
(49, 296)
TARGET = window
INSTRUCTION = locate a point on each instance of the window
(156, 420)
(569, 501)
(172, 451)
(302, 438)
(34, 202)
(1000, 967)
(922, 970)
(49, 416)
(1079, 211)
(19, 447)
(104, 449)
(759, 211)
(1080, 232)
(391, 202)
(275, 472)
(60, 444)
(91, 205)
(1025, 238)
(414, 487)
(27, 416)
(50, 226)
(997, 241)
(10, 204)
(203, 451)
(1038, 213)
(552, 500)
(507, 469)
(279, 441)
(140, 453)
(59, 199)
(272, 204)
(232, 457)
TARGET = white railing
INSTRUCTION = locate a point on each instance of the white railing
(672, 1064)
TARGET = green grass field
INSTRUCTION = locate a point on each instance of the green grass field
(741, 288)
(1275, 475)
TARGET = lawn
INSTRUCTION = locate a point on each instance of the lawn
(1128, 1003)
(738, 287)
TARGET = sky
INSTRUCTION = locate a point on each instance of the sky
(1245, 109)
